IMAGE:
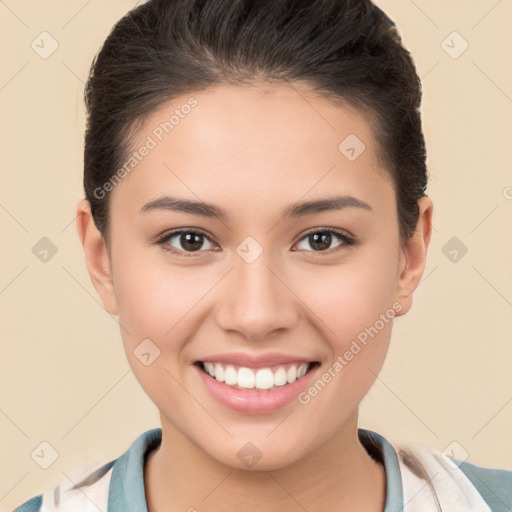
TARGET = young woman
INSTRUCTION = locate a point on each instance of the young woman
(256, 216)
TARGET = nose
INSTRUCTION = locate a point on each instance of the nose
(256, 300)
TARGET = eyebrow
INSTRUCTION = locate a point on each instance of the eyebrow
(203, 209)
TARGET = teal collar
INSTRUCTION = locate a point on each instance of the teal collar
(127, 494)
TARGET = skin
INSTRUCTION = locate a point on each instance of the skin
(253, 151)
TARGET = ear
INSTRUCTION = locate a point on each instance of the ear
(413, 256)
(96, 256)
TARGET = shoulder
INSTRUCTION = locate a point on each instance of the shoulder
(453, 481)
(493, 484)
(32, 505)
(120, 481)
(89, 493)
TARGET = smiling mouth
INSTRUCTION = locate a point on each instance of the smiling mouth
(259, 379)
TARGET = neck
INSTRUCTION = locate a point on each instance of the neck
(339, 475)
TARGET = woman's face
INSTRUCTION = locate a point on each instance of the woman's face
(256, 288)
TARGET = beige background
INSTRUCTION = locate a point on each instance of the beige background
(64, 377)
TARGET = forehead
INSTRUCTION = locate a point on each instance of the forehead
(252, 112)
(235, 143)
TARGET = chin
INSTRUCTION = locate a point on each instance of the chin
(257, 455)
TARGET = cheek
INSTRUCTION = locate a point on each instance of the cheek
(164, 303)
(353, 295)
(354, 309)
(153, 303)
(140, 302)
(150, 299)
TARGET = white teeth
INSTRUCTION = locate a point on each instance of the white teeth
(230, 376)
(210, 369)
(280, 377)
(291, 374)
(219, 373)
(262, 379)
(245, 378)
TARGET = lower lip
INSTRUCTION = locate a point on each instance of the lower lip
(251, 401)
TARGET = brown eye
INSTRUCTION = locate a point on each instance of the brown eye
(321, 240)
(184, 242)
(191, 241)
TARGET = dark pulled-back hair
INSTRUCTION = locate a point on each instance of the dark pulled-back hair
(345, 50)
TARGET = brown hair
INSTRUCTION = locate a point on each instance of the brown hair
(348, 50)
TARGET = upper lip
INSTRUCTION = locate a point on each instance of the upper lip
(252, 361)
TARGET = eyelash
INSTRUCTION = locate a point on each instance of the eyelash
(347, 240)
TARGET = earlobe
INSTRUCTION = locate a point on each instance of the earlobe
(96, 256)
(414, 255)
